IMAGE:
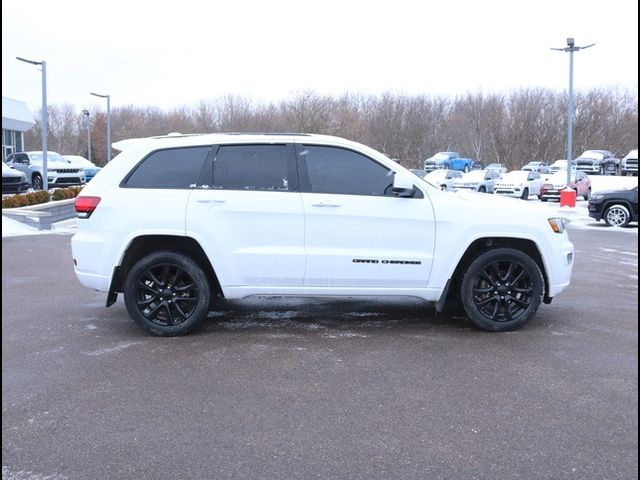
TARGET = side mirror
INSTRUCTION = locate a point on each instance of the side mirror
(403, 186)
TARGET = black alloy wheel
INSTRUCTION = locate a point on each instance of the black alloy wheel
(502, 289)
(167, 294)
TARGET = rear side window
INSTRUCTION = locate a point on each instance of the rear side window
(252, 167)
(170, 168)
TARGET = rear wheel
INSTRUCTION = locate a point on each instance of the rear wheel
(502, 289)
(482, 190)
(525, 194)
(167, 294)
(617, 216)
(587, 195)
(466, 169)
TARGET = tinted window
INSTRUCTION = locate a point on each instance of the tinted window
(171, 168)
(341, 171)
(251, 167)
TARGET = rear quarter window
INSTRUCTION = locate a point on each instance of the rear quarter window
(169, 168)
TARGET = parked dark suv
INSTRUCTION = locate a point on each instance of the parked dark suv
(616, 207)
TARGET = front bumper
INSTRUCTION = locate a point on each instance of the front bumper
(560, 268)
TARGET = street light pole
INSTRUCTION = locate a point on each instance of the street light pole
(570, 48)
(45, 121)
(108, 97)
(86, 112)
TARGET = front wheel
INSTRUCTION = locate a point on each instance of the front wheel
(167, 294)
(587, 195)
(502, 289)
(617, 216)
(37, 182)
(466, 169)
(525, 194)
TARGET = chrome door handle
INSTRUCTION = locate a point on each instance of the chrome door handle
(325, 204)
(210, 200)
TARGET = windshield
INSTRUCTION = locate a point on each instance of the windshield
(592, 154)
(534, 164)
(51, 156)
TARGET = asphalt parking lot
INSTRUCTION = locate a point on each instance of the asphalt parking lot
(293, 389)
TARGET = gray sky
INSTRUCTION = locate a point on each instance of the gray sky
(169, 54)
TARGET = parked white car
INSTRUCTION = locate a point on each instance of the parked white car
(175, 222)
(498, 167)
(540, 167)
(562, 165)
(444, 179)
(482, 181)
(13, 181)
(519, 183)
(90, 169)
(59, 172)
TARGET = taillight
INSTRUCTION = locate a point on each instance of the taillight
(86, 205)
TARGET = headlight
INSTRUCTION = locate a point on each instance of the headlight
(597, 196)
(558, 225)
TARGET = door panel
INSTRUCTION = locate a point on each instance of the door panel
(360, 241)
(357, 234)
(251, 215)
(253, 238)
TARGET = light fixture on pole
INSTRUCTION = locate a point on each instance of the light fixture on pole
(86, 112)
(570, 48)
(45, 121)
(108, 97)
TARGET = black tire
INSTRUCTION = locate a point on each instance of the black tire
(502, 289)
(543, 199)
(587, 195)
(617, 216)
(167, 294)
(482, 190)
(37, 182)
(525, 194)
(466, 169)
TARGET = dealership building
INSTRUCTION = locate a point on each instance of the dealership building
(16, 119)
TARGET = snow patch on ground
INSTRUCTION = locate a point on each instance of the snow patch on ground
(114, 349)
(14, 228)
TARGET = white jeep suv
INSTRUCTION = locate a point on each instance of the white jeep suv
(59, 172)
(174, 222)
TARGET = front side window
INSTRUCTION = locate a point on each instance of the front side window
(170, 168)
(341, 171)
(252, 167)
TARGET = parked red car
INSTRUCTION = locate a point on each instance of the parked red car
(552, 186)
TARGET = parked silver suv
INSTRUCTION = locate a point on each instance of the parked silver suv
(59, 172)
